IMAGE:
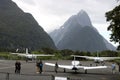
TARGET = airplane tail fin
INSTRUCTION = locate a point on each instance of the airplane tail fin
(74, 58)
(74, 61)
(17, 50)
(97, 54)
(26, 50)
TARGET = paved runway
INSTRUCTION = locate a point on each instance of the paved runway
(28, 72)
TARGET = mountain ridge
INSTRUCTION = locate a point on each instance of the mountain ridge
(20, 30)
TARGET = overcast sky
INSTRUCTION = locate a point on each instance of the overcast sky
(52, 14)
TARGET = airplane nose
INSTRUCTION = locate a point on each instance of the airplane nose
(74, 68)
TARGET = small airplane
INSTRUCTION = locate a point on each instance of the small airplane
(97, 59)
(31, 56)
(76, 66)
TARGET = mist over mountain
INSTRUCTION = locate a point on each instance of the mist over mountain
(77, 33)
(20, 30)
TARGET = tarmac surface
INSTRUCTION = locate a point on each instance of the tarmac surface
(28, 71)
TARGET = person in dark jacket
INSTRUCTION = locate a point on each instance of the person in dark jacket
(17, 67)
(40, 66)
(56, 67)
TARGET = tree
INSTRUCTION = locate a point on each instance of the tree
(48, 50)
(113, 17)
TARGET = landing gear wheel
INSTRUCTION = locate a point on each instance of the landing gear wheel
(86, 71)
(64, 70)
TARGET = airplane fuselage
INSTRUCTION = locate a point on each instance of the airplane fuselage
(98, 60)
(75, 63)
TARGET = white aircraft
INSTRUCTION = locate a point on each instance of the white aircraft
(97, 59)
(31, 56)
(76, 66)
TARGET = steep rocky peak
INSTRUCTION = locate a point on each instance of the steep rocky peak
(83, 18)
(77, 33)
(81, 12)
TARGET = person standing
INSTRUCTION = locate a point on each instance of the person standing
(17, 67)
(56, 67)
(37, 67)
(113, 68)
(119, 67)
(41, 67)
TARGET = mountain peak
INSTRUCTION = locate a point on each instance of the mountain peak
(82, 12)
(77, 33)
(83, 18)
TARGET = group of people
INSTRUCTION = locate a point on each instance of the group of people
(39, 66)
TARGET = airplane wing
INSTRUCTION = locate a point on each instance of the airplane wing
(109, 58)
(87, 57)
(60, 66)
(65, 66)
(35, 55)
(22, 54)
(78, 67)
(15, 53)
(103, 58)
(94, 67)
(19, 54)
(50, 64)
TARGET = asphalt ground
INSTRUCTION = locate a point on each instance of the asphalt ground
(28, 71)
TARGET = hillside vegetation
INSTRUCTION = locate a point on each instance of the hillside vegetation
(20, 30)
